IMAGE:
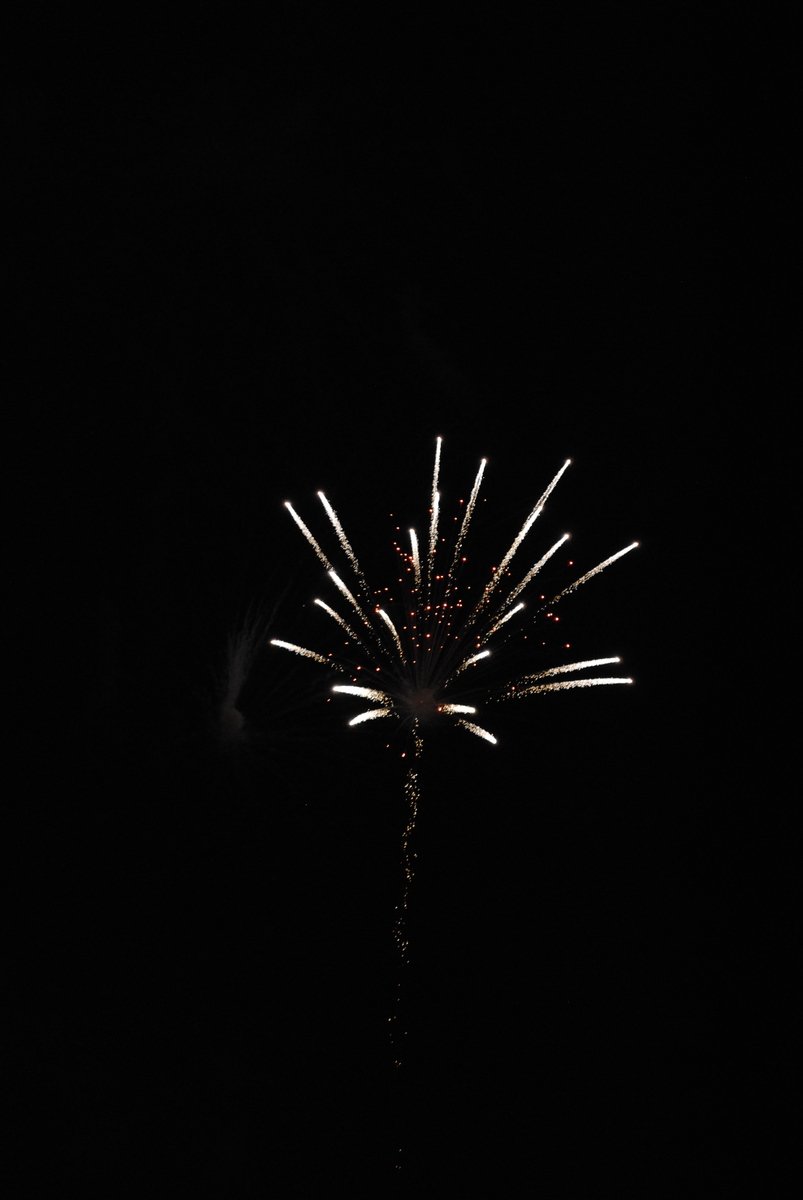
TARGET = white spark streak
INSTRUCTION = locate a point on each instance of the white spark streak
(308, 535)
(338, 582)
(461, 537)
(469, 662)
(478, 731)
(371, 715)
(563, 670)
(337, 617)
(351, 689)
(435, 506)
(498, 575)
(502, 621)
(594, 571)
(566, 684)
(344, 542)
(416, 557)
(393, 630)
(533, 571)
(456, 708)
(302, 650)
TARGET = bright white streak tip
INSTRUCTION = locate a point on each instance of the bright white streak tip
(456, 708)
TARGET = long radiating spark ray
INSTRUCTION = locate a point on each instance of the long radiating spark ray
(344, 542)
(416, 558)
(371, 715)
(381, 612)
(351, 689)
(337, 617)
(478, 731)
(310, 538)
(461, 537)
(499, 574)
(338, 582)
(435, 505)
(566, 667)
(594, 571)
(533, 571)
(501, 622)
(304, 652)
(563, 685)
(456, 708)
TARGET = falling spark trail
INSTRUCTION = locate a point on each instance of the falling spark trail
(371, 715)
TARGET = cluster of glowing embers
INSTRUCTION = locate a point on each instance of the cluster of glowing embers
(429, 661)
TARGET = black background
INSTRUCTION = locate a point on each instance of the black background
(262, 261)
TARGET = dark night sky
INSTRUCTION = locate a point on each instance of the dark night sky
(265, 261)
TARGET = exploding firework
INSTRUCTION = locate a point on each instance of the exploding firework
(429, 652)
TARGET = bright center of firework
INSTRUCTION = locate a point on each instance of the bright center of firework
(420, 703)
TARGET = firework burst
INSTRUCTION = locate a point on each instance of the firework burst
(429, 650)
